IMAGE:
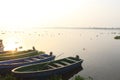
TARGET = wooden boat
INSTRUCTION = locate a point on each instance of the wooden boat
(47, 69)
(7, 65)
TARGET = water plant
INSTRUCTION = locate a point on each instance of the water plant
(79, 78)
(55, 78)
(117, 37)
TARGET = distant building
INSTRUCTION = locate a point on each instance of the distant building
(1, 46)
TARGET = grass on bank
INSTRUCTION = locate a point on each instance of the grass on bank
(78, 77)
(8, 77)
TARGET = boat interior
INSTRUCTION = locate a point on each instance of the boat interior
(25, 60)
(50, 65)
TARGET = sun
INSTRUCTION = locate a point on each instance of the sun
(11, 44)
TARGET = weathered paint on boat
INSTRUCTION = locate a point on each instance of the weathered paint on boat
(30, 73)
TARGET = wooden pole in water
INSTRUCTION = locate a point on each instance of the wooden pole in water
(1, 46)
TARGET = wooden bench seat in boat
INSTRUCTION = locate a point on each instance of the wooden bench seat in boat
(35, 59)
(64, 62)
(58, 64)
(52, 67)
(71, 60)
(29, 60)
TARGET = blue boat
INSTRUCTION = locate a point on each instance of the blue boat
(47, 69)
(7, 65)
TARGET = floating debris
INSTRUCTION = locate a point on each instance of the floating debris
(2, 33)
(20, 47)
(58, 33)
(84, 49)
(96, 35)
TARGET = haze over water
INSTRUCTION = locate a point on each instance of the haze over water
(98, 48)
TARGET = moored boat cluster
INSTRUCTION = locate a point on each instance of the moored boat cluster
(34, 64)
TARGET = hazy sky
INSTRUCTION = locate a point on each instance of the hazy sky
(59, 13)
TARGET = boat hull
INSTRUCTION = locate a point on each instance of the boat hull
(49, 73)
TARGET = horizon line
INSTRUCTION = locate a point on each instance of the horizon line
(78, 27)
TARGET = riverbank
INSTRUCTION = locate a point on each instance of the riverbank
(11, 77)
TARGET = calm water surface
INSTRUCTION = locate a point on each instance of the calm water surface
(98, 48)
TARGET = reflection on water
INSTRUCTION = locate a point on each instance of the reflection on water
(98, 48)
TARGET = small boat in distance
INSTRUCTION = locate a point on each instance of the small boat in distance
(47, 69)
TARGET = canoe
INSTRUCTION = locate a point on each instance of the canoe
(7, 65)
(47, 69)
